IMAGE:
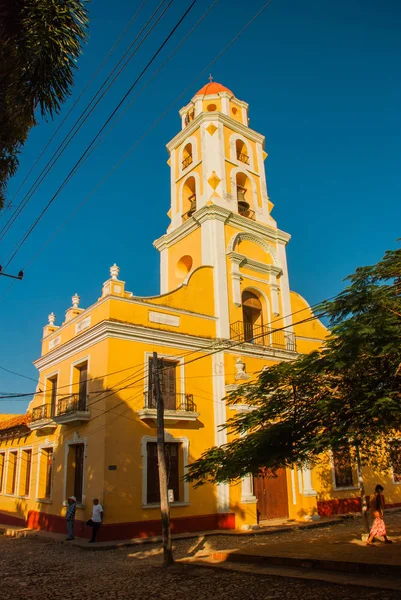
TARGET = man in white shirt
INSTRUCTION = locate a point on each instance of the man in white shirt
(97, 516)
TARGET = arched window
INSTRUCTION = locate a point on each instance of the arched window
(242, 151)
(244, 191)
(187, 157)
(252, 318)
(189, 198)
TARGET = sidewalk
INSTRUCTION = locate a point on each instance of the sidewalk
(271, 528)
(332, 556)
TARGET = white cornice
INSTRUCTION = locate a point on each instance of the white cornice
(206, 117)
(126, 331)
(254, 265)
(219, 213)
(178, 234)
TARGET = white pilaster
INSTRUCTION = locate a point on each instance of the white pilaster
(307, 477)
(213, 254)
(285, 286)
(294, 491)
(219, 392)
(164, 271)
(247, 496)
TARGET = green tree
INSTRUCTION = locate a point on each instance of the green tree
(348, 395)
(40, 41)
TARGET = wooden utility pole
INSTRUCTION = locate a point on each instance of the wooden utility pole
(168, 558)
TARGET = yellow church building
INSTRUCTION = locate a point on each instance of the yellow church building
(225, 312)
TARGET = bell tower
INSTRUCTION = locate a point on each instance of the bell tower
(220, 208)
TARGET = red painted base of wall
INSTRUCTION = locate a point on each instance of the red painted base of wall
(120, 531)
(7, 519)
(341, 506)
(328, 508)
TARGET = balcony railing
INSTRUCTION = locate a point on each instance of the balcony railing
(177, 402)
(40, 413)
(246, 212)
(263, 336)
(243, 158)
(187, 161)
(73, 403)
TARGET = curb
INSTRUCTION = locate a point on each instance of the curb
(309, 563)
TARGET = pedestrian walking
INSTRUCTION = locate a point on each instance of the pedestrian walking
(96, 519)
(376, 508)
(70, 516)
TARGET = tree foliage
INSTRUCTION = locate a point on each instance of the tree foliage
(40, 41)
(347, 394)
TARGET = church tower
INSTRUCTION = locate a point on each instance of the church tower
(221, 216)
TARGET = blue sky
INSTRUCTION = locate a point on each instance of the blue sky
(323, 83)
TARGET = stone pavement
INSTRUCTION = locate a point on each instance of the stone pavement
(336, 554)
(37, 568)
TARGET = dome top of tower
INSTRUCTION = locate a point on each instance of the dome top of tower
(213, 87)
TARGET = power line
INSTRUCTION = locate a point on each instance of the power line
(90, 107)
(111, 51)
(147, 132)
(115, 110)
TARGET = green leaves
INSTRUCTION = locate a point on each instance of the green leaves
(40, 42)
(350, 393)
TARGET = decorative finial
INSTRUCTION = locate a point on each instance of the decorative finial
(52, 319)
(241, 373)
(75, 300)
(114, 271)
(210, 78)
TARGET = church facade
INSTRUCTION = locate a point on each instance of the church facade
(225, 312)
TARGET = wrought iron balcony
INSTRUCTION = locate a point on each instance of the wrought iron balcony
(72, 409)
(177, 407)
(246, 212)
(262, 335)
(41, 412)
(42, 418)
(243, 158)
(187, 161)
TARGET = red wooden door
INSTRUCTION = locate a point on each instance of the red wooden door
(272, 497)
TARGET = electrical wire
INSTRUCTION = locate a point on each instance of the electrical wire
(90, 107)
(104, 61)
(22, 241)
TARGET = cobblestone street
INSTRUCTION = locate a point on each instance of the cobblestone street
(35, 567)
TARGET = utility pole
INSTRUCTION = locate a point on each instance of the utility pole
(168, 558)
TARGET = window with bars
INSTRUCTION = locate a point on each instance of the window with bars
(12, 472)
(52, 382)
(25, 472)
(75, 471)
(82, 385)
(48, 453)
(342, 464)
(173, 471)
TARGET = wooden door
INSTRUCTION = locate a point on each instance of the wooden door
(272, 497)
(168, 387)
(168, 384)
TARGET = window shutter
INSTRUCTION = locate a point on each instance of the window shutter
(153, 492)
(173, 475)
